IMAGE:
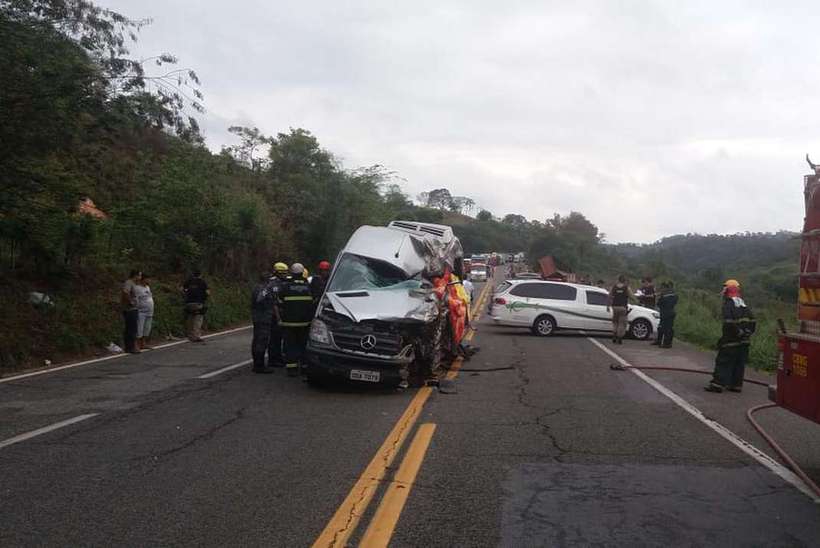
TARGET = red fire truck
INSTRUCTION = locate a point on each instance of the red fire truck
(798, 368)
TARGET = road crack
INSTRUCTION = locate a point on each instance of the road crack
(208, 434)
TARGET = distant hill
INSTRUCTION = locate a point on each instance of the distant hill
(765, 263)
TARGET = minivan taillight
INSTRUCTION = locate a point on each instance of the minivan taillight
(500, 300)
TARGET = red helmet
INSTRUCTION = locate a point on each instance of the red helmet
(324, 265)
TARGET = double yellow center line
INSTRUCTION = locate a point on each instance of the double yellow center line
(346, 519)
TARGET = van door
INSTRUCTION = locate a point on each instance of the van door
(597, 318)
(559, 300)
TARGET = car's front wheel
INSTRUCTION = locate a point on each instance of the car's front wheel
(640, 329)
(544, 326)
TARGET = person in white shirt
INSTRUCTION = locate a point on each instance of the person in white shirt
(145, 309)
(468, 286)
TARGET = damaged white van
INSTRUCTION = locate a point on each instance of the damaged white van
(379, 320)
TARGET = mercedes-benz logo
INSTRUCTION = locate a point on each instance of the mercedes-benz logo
(368, 342)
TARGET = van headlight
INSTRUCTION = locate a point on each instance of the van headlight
(656, 315)
(319, 332)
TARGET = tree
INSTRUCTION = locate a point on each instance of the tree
(439, 198)
(484, 216)
(515, 220)
(250, 140)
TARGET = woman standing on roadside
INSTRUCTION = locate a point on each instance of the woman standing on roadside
(145, 309)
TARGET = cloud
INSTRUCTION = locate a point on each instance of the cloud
(651, 118)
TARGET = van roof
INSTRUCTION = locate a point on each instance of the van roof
(441, 232)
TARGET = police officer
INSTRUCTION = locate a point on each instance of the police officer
(319, 280)
(263, 310)
(295, 313)
(733, 346)
(667, 300)
(280, 277)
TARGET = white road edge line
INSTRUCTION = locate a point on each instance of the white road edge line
(112, 357)
(50, 428)
(224, 369)
(761, 457)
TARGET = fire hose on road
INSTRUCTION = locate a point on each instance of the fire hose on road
(749, 415)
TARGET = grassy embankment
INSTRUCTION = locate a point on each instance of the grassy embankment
(86, 318)
(698, 321)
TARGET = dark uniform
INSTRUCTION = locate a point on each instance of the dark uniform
(733, 346)
(263, 311)
(295, 313)
(317, 286)
(276, 356)
(667, 301)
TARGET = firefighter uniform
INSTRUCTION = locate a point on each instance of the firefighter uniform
(733, 346)
(263, 307)
(295, 313)
(276, 357)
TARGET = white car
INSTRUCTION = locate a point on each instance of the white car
(478, 273)
(545, 307)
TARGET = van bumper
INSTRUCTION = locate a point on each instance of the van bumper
(330, 365)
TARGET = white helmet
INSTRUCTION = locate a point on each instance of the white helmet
(297, 269)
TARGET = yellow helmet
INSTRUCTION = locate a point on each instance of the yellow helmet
(306, 274)
(731, 283)
(280, 267)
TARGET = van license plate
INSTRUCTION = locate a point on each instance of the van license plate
(369, 376)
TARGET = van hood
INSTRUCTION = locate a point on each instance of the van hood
(389, 305)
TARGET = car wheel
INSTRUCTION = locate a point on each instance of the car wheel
(640, 329)
(544, 326)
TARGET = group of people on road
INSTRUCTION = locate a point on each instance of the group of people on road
(137, 304)
(282, 306)
(738, 325)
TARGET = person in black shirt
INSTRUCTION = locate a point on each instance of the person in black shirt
(196, 292)
(263, 310)
(647, 293)
(319, 281)
(666, 306)
(619, 302)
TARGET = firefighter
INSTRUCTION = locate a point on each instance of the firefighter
(667, 300)
(733, 346)
(263, 311)
(276, 356)
(319, 280)
(295, 313)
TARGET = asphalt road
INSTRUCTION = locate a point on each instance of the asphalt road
(540, 445)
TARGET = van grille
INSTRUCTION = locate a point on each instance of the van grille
(386, 344)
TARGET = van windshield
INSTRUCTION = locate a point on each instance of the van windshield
(357, 273)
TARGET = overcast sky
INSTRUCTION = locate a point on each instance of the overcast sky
(651, 118)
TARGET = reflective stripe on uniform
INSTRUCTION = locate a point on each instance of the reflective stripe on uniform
(294, 324)
(741, 320)
(298, 298)
(291, 365)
